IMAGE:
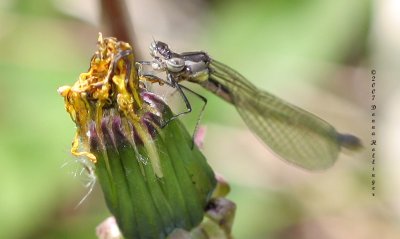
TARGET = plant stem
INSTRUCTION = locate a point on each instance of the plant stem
(116, 17)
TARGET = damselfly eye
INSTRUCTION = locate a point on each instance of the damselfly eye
(153, 49)
(175, 64)
(163, 49)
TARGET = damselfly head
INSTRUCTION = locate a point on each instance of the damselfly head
(160, 49)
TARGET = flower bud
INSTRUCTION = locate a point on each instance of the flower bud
(152, 177)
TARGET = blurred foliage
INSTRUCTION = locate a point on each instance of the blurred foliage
(273, 43)
(284, 44)
(36, 57)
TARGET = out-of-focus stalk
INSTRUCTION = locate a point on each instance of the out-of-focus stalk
(152, 179)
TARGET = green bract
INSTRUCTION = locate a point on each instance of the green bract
(145, 205)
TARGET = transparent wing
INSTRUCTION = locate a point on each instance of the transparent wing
(296, 135)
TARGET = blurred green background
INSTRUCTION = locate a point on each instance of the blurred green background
(315, 54)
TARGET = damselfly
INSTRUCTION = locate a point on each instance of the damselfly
(296, 135)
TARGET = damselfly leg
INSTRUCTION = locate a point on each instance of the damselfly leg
(172, 82)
